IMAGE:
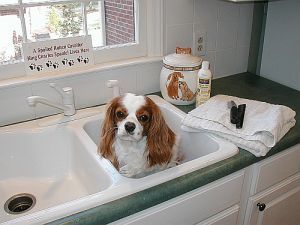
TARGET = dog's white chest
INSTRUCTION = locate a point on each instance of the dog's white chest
(131, 152)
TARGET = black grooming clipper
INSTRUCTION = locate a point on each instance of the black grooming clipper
(237, 114)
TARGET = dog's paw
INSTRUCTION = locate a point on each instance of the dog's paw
(71, 62)
(86, 60)
(55, 65)
(80, 59)
(32, 66)
(39, 68)
(64, 61)
(127, 171)
(49, 63)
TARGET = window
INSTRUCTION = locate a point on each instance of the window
(117, 27)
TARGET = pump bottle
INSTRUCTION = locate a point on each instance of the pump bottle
(204, 84)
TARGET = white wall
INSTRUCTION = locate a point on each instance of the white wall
(228, 27)
(281, 49)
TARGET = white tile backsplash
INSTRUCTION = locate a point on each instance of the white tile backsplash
(179, 35)
(245, 25)
(228, 29)
(242, 58)
(179, 11)
(228, 11)
(211, 57)
(206, 11)
(225, 63)
(14, 107)
(227, 35)
(148, 78)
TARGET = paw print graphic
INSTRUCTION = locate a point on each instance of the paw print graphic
(86, 60)
(64, 61)
(32, 66)
(49, 63)
(39, 68)
(80, 59)
(71, 62)
(55, 65)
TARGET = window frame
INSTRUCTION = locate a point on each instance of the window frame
(101, 54)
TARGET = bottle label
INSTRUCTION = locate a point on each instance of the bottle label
(203, 91)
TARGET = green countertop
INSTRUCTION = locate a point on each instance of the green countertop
(243, 85)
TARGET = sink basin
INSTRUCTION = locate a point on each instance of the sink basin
(199, 149)
(55, 159)
(49, 163)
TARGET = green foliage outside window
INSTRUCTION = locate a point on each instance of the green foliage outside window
(66, 19)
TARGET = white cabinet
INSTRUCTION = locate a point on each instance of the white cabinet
(196, 206)
(275, 192)
(279, 205)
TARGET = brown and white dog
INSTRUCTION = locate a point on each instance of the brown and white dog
(136, 138)
(172, 87)
(187, 93)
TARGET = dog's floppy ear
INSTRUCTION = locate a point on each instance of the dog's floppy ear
(108, 133)
(160, 138)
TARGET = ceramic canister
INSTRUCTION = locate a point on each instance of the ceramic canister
(178, 77)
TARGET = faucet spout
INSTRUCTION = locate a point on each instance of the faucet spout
(69, 110)
(67, 95)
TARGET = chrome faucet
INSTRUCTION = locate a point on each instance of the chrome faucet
(68, 105)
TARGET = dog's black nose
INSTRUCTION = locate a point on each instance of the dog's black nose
(129, 127)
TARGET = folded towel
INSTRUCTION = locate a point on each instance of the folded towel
(264, 124)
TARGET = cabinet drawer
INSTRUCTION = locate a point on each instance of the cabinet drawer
(226, 217)
(276, 169)
(194, 206)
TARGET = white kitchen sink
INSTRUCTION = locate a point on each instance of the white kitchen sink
(50, 164)
(56, 160)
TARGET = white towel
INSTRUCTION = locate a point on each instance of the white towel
(264, 124)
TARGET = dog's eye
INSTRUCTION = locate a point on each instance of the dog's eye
(143, 118)
(120, 115)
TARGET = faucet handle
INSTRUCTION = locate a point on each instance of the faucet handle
(61, 91)
(66, 93)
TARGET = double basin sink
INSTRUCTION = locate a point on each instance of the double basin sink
(49, 168)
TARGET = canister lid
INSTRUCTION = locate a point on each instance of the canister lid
(182, 58)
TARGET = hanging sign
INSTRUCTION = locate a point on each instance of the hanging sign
(58, 54)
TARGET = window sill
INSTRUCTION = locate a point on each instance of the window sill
(26, 79)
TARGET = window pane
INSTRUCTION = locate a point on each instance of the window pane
(7, 2)
(55, 21)
(95, 22)
(119, 21)
(11, 36)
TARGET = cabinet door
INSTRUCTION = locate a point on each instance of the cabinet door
(279, 205)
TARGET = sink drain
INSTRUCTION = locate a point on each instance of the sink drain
(19, 203)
